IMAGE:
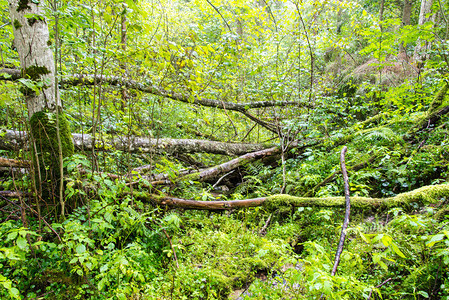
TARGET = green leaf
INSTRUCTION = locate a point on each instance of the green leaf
(121, 296)
(11, 235)
(80, 248)
(424, 294)
(386, 240)
(73, 260)
(5, 75)
(365, 237)
(397, 250)
(101, 284)
(29, 84)
(21, 242)
(436, 238)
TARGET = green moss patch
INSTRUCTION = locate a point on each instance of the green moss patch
(35, 72)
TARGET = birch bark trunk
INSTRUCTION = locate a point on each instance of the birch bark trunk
(50, 131)
(422, 47)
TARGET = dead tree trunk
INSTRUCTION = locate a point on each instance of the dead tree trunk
(12, 140)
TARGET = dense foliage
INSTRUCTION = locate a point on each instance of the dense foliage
(354, 73)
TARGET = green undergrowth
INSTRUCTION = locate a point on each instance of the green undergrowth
(120, 248)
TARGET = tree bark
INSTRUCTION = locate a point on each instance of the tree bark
(49, 128)
(31, 39)
(422, 47)
(406, 14)
(14, 163)
(18, 139)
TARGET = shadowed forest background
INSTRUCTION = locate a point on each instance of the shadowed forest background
(191, 149)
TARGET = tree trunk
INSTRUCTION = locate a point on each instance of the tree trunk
(406, 14)
(50, 141)
(422, 47)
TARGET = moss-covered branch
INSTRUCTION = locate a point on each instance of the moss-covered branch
(433, 114)
(422, 196)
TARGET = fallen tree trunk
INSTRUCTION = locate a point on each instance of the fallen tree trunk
(432, 116)
(423, 196)
(14, 163)
(209, 173)
(12, 194)
(13, 140)
(89, 79)
(213, 172)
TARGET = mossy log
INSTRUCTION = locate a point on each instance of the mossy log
(433, 114)
(422, 196)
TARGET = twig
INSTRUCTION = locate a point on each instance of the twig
(220, 179)
(378, 286)
(266, 224)
(171, 244)
(224, 20)
(348, 209)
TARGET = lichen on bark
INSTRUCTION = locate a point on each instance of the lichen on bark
(44, 132)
